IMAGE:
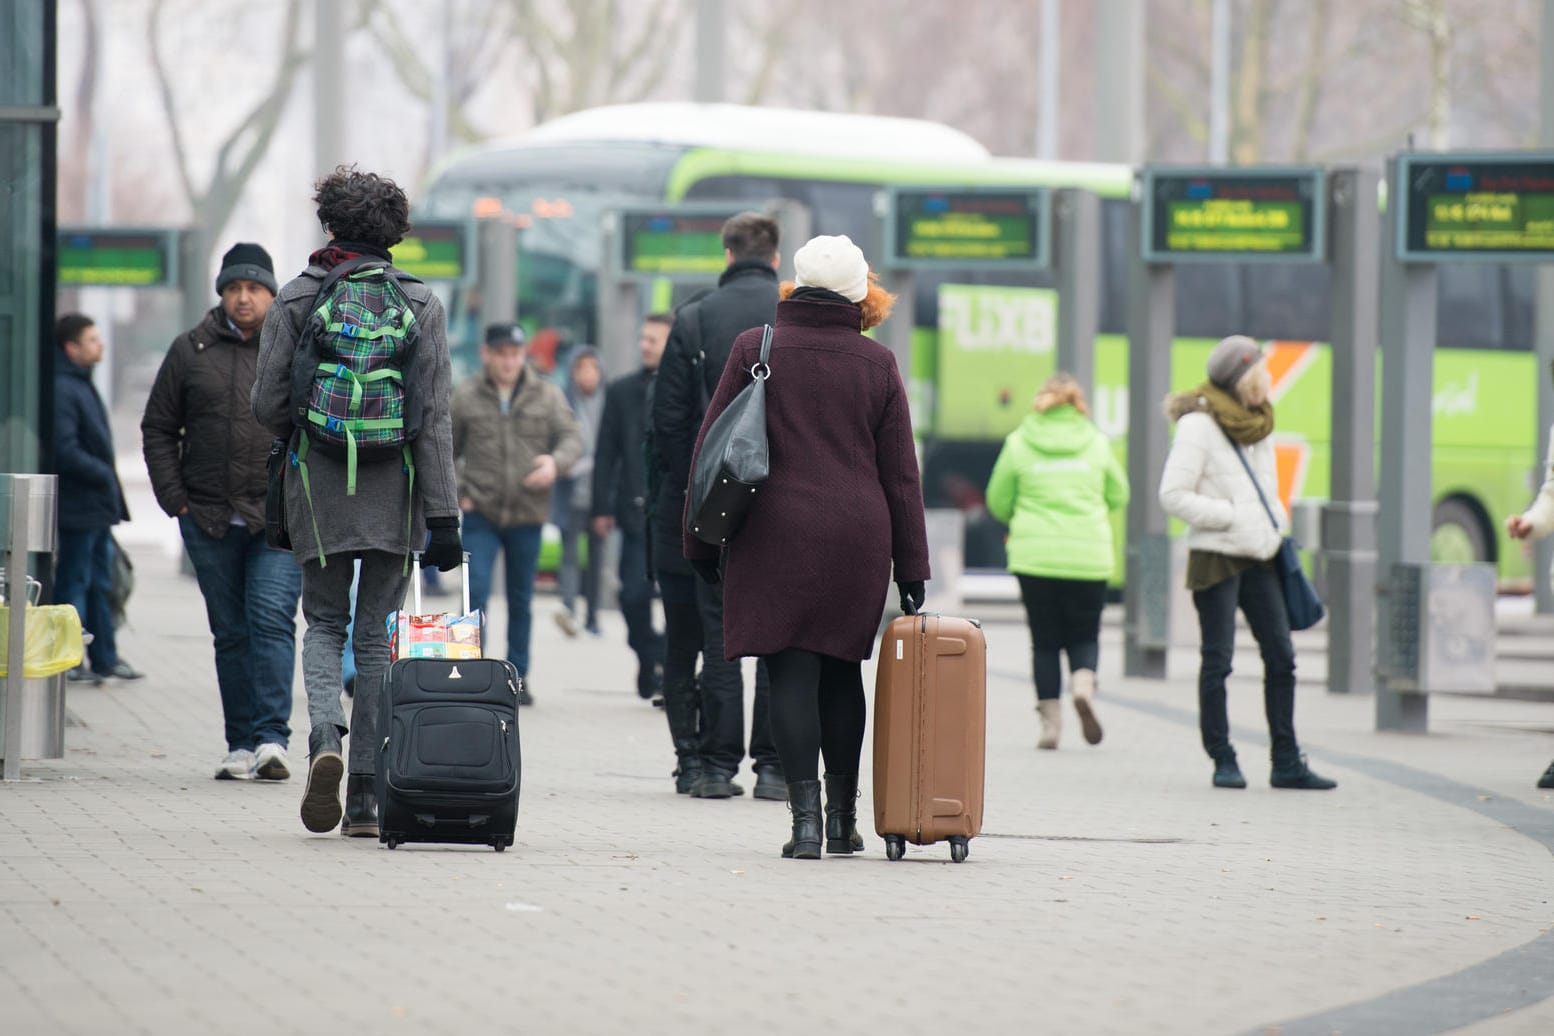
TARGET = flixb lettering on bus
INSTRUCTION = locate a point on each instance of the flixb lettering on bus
(996, 346)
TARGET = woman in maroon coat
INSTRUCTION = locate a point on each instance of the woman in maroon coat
(807, 575)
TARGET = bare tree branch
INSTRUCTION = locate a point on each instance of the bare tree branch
(169, 105)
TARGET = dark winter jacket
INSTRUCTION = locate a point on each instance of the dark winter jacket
(620, 484)
(812, 565)
(90, 496)
(375, 517)
(694, 358)
(203, 448)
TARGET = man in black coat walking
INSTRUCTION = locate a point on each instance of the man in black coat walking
(90, 490)
(699, 344)
(620, 498)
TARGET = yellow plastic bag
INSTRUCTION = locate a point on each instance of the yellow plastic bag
(52, 640)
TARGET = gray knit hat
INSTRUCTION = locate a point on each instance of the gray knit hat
(246, 261)
(1231, 358)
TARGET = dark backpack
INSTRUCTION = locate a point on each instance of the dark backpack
(349, 394)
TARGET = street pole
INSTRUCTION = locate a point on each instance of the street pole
(1077, 261)
(1147, 590)
(1119, 87)
(1408, 333)
(328, 85)
(1349, 517)
(1047, 98)
(709, 51)
(1219, 85)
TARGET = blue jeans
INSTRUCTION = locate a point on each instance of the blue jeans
(83, 579)
(251, 596)
(520, 545)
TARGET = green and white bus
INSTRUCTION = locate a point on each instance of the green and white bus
(984, 341)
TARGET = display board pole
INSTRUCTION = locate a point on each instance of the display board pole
(1408, 300)
(16, 571)
(1543, 326)
(1349, 517)
(1077, 258)
(619, 304)
(896, 333)
(196, 287)
(497, 247)
(1147, 592)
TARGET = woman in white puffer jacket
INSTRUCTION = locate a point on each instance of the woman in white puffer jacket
(1533, 524)
(1231, 541)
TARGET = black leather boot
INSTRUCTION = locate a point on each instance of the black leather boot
(361, 807)
(804, 803)
(321, 797)
(1290, 771)
(1227, 772)
(682, 710)
(842, 814)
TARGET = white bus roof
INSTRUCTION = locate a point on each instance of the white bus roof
(743, 128)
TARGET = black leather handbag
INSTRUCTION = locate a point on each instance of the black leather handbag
(733, 461)
(276, 534)
(1301, 603)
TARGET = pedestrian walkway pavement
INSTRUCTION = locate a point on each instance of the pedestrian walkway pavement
(1112, 890)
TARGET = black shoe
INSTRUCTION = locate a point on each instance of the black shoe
(715, 784)
(1292, 772)
(524, 697)
(81, 674)
(1227, 774)
(121, 670)
(1547, 780)
(804, 803)
(649, 685)
(687, 775)
(321, 797)
(361, 807)
(842, 814)
(770, 785)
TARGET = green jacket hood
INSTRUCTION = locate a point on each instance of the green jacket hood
(1060, 430)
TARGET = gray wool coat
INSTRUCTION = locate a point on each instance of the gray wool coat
(375, 517)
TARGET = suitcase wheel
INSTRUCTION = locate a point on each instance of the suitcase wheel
(392, 843)
(499, 845)
(895, 847)
(959, 849)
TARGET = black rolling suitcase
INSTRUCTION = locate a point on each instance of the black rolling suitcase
(449, 763)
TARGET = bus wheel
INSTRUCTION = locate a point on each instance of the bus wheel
(1458, 534)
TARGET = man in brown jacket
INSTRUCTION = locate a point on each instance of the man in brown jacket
(513, 436)
(206, 455)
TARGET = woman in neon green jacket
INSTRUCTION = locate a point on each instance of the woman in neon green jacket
(1054, 484)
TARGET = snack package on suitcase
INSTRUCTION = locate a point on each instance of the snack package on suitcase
(439, 635)
(930, 733)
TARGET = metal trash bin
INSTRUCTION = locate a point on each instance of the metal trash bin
(32, 710)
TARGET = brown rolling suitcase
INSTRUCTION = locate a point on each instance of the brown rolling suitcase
(930, 733)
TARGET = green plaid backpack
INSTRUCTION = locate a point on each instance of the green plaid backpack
(349, 394)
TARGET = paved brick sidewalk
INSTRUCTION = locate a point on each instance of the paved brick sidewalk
(1114, 891)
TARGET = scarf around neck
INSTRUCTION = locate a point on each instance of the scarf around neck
(1246, 425)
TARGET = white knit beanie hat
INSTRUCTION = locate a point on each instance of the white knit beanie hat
(832, 262)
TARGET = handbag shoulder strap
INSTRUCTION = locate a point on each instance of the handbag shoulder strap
(1249, 474)
(766, 347)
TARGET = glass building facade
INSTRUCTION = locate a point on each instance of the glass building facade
(28, 116)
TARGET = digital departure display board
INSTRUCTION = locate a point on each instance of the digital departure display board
(433, 252)
(1007, 227)
(99, 258)
(1475, 207)
(670, 243)
(1214, 215)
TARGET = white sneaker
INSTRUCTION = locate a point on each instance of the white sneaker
(566, 621)
(236, 766)
(270, 763)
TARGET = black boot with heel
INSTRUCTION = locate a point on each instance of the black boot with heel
(361, 807)
(804, 803)
(842, 814)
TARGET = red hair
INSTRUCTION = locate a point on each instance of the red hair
(873, 307)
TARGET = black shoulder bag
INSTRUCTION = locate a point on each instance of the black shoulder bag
(1301, 602)
(733, 461)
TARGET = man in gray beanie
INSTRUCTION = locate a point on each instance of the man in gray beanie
(207, 457)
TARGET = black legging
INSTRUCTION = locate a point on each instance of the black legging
(1064, 616)
(817, 708)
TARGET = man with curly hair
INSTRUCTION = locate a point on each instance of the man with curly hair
(371, 507)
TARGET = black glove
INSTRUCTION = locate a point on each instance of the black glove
(446, 550)
(707, 568)
(911, 595)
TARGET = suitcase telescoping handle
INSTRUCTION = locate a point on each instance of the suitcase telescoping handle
(415, 581)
